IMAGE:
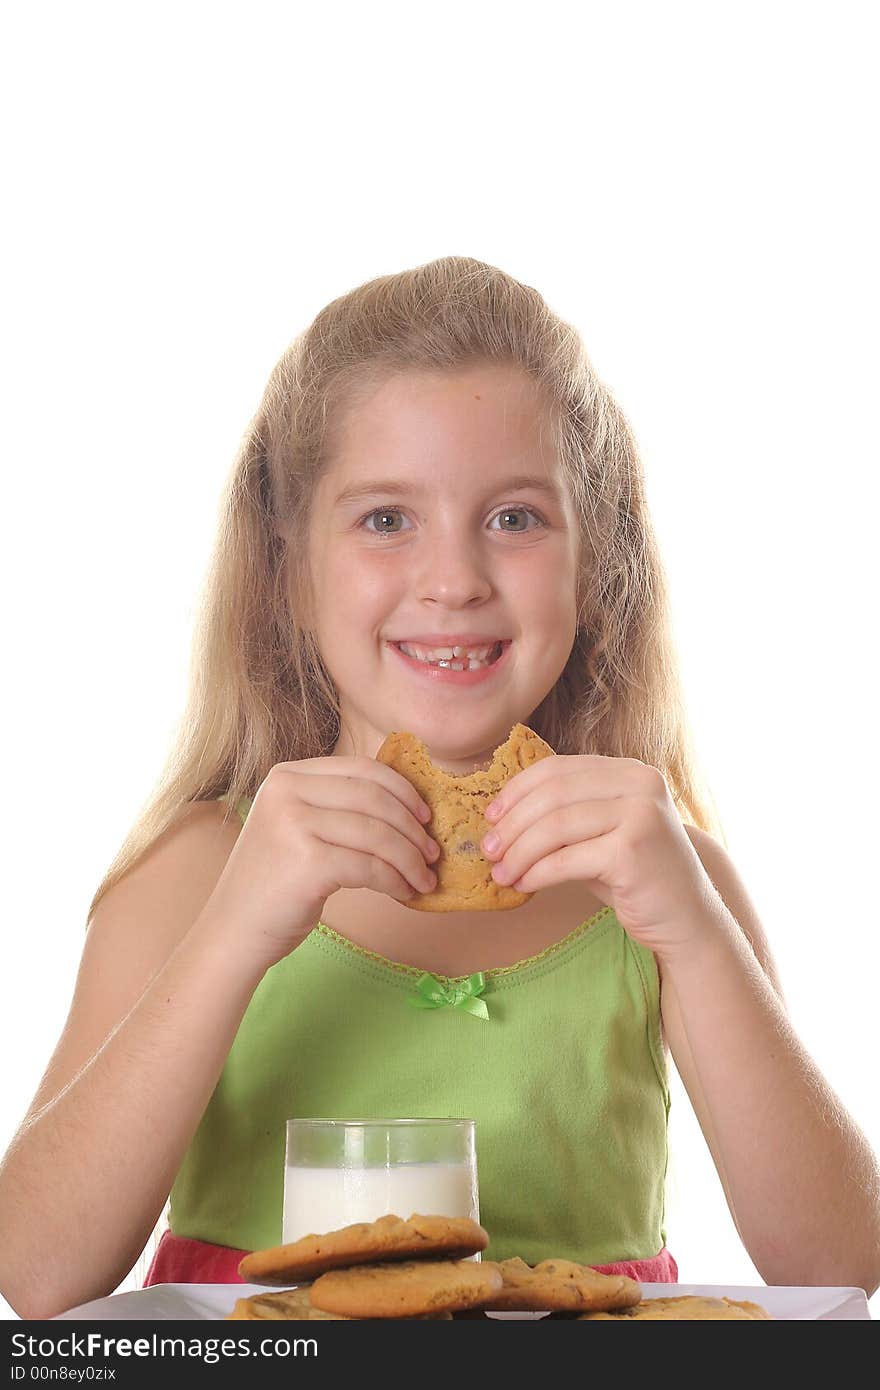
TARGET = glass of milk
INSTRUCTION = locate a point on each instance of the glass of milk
(338, 1172)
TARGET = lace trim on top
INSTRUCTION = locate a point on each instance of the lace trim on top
(499, 972)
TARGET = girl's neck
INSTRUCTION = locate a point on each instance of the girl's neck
(460, 767)
(458, 943)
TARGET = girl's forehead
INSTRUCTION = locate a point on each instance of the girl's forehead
(482, 408)
(480, 382)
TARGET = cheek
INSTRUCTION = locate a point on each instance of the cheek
(352, 589)
(551, 589)
(559, 610)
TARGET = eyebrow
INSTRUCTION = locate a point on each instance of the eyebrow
(398, 487)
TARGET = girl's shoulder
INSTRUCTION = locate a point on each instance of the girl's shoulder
(164, 890)
(144, 915)
(136, 926)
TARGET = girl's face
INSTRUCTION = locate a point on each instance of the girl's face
(443, 521)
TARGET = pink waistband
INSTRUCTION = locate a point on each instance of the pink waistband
(180, 1260)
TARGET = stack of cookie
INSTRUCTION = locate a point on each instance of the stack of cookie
(417, 1268)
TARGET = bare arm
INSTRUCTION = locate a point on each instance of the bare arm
(159, 996)
(800, 1178)
(173, 955)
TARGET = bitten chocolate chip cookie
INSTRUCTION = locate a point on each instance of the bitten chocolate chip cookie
(388, 1238)
(561, 1286)
(690, 1307)
(464, 875)
(406, 1290)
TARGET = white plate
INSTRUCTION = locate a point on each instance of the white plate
(201, 1302)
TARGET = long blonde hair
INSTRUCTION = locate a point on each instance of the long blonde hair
(259, 692)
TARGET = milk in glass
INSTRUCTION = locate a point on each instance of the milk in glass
(324, 1199)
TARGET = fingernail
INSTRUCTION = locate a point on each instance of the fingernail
(492, 809)
(491, 843)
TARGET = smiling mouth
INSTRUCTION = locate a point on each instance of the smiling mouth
(455, 658)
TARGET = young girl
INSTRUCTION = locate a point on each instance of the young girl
(437, 524)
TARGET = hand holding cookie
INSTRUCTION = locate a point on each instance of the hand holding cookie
(609, 823)
(316, 826)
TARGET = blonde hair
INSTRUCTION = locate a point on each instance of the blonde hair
(259, 692)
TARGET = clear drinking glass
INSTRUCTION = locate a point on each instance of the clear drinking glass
(338, 1172)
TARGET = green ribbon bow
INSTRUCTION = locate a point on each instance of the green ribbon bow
(433, 994)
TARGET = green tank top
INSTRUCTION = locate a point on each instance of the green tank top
(566, 1080)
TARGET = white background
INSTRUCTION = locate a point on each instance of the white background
(693, 185)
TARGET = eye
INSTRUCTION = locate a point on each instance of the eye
(519, 512)
(385, 514)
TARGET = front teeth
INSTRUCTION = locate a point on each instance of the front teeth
(450, 657)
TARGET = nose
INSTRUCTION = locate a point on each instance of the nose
(453, 571)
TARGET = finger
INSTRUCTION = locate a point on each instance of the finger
(351, 830)
(588, 862)
(541, 804)
(565, 827)
(366, 768)
(605, 777)
(354, 869)
(371, 801)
